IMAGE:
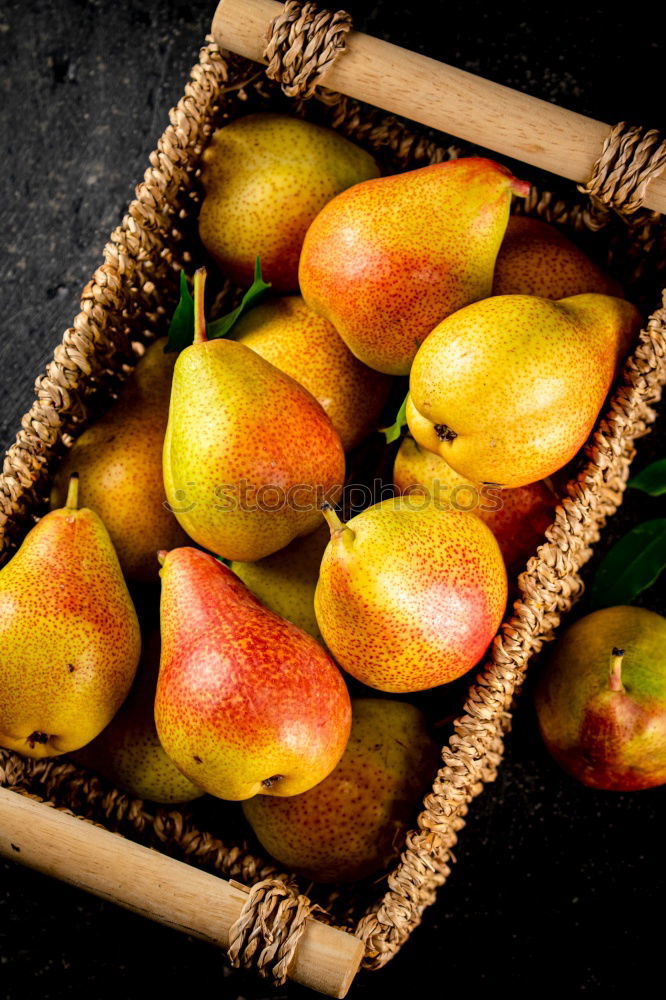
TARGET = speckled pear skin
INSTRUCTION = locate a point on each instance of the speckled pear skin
(128, 752)
(119, 459)
(285, 582)
(69, 636)
(508, 390)
(409, 596)
(536, 259)
(353, 824)
(388, 259)
(286, 332)
(609, 739)
(246, 702)
(238, 425)
(517, 517)
(266, 177)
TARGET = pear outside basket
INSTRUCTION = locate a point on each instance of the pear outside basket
(128, 302)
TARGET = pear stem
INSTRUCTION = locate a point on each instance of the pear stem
(200, 333)
(161, 556)
(332, 519)
(615, 672)
(72, 501)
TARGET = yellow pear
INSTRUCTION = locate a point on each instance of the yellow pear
(286, 581)
(119, 459)
(354, 822)
(266, 177)
(409, 596)
(286, 332)
(508, 390)
(69, 635)
(249, 454)
(128, 752)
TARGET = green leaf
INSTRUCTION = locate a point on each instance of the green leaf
(254, 294)
(181, 327)
(393, 432)
(631, 566)
(651, 480)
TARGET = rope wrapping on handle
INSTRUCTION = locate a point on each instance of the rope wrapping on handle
(302, 42)
(631, 157)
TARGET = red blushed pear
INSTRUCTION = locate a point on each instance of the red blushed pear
(248, 451)
(388, 259)
(246, 703)
(409, 596)
(601, 701)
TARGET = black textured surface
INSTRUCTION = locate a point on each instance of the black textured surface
(556, 886)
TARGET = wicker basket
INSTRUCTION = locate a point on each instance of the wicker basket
(127, 303)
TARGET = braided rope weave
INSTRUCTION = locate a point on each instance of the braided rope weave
(131, 293)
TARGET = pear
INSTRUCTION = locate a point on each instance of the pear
(249, 454)
(409, 596)
(69, 635)
(601, 701)
(296, 340)
(266, 177)
(246, 702)
(285, 582)
(128, 752)
(508, 390)
(517, 517)
(536, 259)
(388, 259)
(353, 823)
(119, 459)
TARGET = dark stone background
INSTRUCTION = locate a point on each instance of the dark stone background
(556, 886)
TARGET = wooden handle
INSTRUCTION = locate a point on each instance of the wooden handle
(159, 887)
(450, 100)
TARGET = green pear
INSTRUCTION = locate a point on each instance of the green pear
(246, 702)
(249, 454)
(507, 390)
(69, 635)
(128, 752)
(353, 823)
(266, 177)
(119, 460)
(286, 581)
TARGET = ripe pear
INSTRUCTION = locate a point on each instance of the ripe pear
(409, 596)
(517, 517)
(296, 340)
(69, 635)
(128, 752)
(508, 390)
(119, 459)
(601, 701)
(285, 582)
(266, 177)
(246, 703)
(536, 259)
(388, 259)
(353, 823)
(249, 454)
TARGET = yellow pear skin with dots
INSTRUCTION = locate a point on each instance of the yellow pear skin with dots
(353, 823)
(507, 390)
(286, 332)
(266, 177)
(69, 635)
